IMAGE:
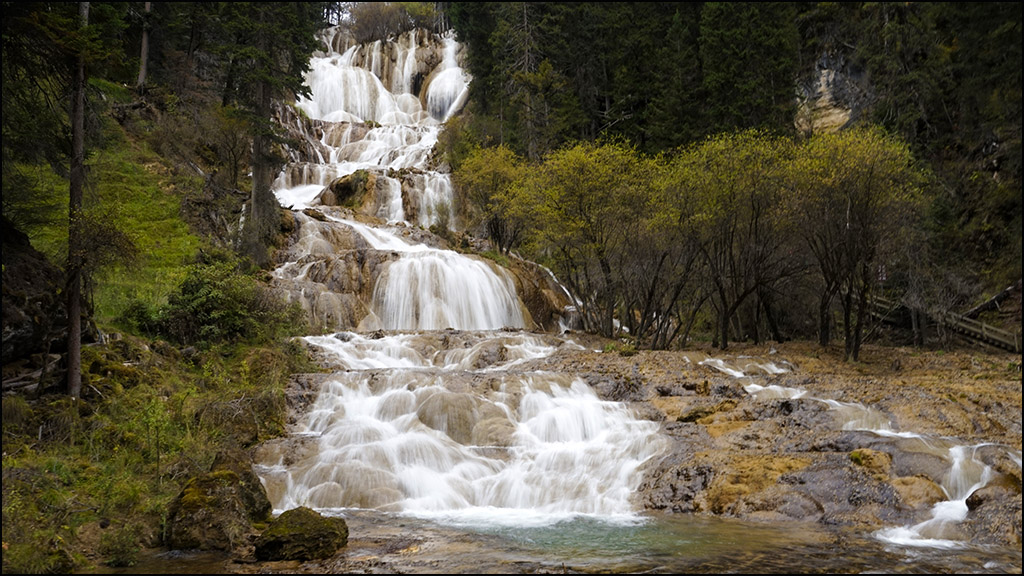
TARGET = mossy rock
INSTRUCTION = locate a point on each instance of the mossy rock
(302, 534)
(250, 489)
(209, 514)
(346, 191)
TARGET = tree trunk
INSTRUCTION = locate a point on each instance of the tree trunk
(847, 325)
(140, 84)
(862, 312)
(607, 299)
(263, 207)
(723, 325)
(769, 315)
(77, 178)
(824, 320)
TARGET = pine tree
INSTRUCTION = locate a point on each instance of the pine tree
(267, 51)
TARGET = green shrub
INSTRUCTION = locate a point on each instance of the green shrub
(215, 303)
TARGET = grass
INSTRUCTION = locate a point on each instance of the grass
(149, 418)
(129, 188)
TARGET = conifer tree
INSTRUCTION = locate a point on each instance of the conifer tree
(267, 50)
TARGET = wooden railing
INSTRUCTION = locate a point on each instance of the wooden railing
(883, 308)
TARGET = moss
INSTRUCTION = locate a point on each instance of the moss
(302, 534)
(857, 457)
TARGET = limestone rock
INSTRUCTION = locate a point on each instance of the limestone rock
(302, 534)
(218, 510)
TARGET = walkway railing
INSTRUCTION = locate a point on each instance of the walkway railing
(883, 308)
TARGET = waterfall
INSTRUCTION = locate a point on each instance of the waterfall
(438, 417)
(364, 125)
(395, 431)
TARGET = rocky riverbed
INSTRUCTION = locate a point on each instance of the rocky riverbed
(752, 482)
(764, 458)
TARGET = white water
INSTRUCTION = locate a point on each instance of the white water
(966, 474)
(412, 422)
(426, 288)
(412, 425)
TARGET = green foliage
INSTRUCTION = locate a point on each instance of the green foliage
(857, 457)
(579, 203)
(215, 303)
(371, 21)
(624, 348)
(748, 53)
(500, 258)
(856, 198)
(483, 184)
(943, 77)
(137, 434)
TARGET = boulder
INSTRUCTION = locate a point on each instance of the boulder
(218, 510)
(347, 190)
(302, 534)
(210, 514)
(250, 489)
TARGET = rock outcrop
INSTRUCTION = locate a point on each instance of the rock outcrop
(219, 510)
(34, 315)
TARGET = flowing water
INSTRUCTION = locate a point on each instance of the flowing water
(436, 419)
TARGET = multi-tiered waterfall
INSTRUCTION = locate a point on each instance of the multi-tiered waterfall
(432, 410)
(439, 406)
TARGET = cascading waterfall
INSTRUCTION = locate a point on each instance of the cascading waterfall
(396, 432)
(423, 420)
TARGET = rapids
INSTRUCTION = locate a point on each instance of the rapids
(427, 413)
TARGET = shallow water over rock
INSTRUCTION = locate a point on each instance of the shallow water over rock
(672, 544)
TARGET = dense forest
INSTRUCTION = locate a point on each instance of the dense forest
(666, 160)
(688, 130)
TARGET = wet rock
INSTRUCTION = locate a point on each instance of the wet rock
(301, 534)
(497, 431)
(676, 488)
(347, 190)
(848, 494)
(918, 492)
(692, 408)
(452, 413)
(249, 488)
(994, 515)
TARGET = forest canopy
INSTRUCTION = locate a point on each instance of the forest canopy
(625, 98)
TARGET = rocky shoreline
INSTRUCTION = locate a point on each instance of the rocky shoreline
(782, 460)
(784, 463)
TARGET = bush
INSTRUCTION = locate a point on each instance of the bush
(120, 546)
(215, 303)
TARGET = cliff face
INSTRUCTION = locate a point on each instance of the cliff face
(832, 97)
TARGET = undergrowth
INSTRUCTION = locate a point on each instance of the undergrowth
(195, 357)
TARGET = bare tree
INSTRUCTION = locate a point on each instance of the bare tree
(75, 220)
